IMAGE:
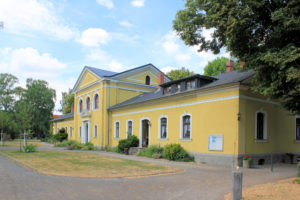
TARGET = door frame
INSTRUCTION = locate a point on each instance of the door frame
(141, 131)
(83, 134)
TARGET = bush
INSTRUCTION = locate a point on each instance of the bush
(63, 143)
(132, 141)
(88, 146)
(30, 148)
(153, 151)
(60, 136)
(177, 153)
(74, 145)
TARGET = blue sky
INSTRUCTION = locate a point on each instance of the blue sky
(54, 40)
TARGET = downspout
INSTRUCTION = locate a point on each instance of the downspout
(108, 82)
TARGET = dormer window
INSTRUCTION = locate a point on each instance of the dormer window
(167, 90)
(190, 84)
(178, 87)
(148, 80)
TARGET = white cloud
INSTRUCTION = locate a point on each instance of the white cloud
(167, 69)
(26, 17)
(183, 58)
(170, 46)
(107, 3)
(126, 23)
(104, 60)
(138, 3)
(93, 37)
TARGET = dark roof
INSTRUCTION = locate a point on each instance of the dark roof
(188, 78)
(66, 116)
(221, 79)
(101, 72)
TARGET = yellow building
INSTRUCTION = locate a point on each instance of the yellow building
(217, 119)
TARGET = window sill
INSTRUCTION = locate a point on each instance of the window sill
(261, 141)
(116, 138)
(297, 141)
(185, 139)
(163, 139)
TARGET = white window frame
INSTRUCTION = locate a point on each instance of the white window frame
(79, 105)
(181, 126)
(296, 117)
(66, 129)
(93, 104)
(159, 127)
(128, 127)
(88, 96)
(57, 130)
(70, 133)
(265, 133)
(115, 128)
(80, 132)
(95, 130)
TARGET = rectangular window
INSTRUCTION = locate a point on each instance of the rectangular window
(260, 126)
(186, 127)
(80, 131)
(178, 87)
(57, 130)
(298, 128)
(66, 129)
(95, 131)
(70, 131)
(117, 130)
(163, 128)
(129, 128)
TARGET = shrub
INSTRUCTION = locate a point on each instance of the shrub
(30, 148)
(151, 151)
(132, 141)
(63, 143)
(61, 137)
(177, 153)
(88, 146)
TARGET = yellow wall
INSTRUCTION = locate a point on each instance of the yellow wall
(140, 77)
(211, 115)
(57, 125)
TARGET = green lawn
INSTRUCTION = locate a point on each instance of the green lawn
(82, 164)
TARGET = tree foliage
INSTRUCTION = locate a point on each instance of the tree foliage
(67, 102)
(218, 66)
(265, 34)
(7, 91)
(179, 73)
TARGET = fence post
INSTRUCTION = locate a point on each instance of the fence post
(237, 185)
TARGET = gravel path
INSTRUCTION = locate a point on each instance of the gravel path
(198, 182)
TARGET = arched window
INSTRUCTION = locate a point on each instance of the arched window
(163, 128)
(96, 101)
(80, 106)
(88, 103)
(261, 125)
(148, 79)
(117, 129)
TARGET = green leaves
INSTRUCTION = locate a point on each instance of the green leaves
(179, 73)
(264, 34)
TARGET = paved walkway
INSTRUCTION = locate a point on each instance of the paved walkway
(198, 182)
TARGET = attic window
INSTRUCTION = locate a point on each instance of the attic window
(147, 80)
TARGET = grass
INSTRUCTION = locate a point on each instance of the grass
(81, 164)
(282, 189)
(16, 143)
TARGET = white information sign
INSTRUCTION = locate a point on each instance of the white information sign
(215, 142)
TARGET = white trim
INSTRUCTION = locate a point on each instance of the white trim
(181, 126)
(126, 136)
(296, 117)
(259, 100)
(66, 129)
(141, 131)
(95, 130)
(84, 71)
(79, 132)
(159, 127)
(265, 134)
(117, 121)
(83, 138)
(178, 106)
(86, 98)
(78, 106)
(93, 105)
(64, 122)
(57, 130)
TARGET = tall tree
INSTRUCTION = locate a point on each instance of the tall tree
(40, 98)
(263, 33)
(218, 66)
(67, 102)
(179, 73)
(7, 91)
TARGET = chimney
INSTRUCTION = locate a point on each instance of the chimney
(229, 66)
(72, 108)
(242, 64)
(161, 78)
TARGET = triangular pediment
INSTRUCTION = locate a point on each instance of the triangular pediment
(86, 79)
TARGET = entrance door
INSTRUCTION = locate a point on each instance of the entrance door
(86, 133)
(145, 133)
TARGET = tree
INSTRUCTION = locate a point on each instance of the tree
(7, 91)
(67, 102)
(40, 99)
(218, 66)
(179, 73)
(265, 34)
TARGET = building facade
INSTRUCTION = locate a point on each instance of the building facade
(217, 119)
